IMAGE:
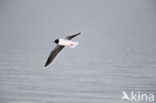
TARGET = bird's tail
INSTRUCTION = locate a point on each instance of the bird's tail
(74, 44)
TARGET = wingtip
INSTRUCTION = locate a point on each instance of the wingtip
(45, 67)
(80, 32)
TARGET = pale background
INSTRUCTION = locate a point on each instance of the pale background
(116, 52)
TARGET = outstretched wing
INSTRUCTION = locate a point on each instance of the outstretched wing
(72, 36)
(57, 49)
(53, 54)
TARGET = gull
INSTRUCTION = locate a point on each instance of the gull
(61, 43)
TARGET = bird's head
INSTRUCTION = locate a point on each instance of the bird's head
(56, 41)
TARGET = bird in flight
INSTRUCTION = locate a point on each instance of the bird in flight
(61, 43)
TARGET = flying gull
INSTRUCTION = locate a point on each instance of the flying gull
(61, 43)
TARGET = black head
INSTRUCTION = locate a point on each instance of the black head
(56, 41)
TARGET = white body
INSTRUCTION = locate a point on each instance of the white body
(65, 42)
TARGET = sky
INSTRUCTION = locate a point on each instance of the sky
(100, 20)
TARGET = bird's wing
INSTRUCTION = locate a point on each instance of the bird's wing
(53, 54)
(57, 49)
(72, 36)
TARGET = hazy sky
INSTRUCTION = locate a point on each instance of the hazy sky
(101, 20)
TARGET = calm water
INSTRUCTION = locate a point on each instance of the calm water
(97, 74)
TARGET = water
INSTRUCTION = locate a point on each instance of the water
(116, 52)
(97, 74)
